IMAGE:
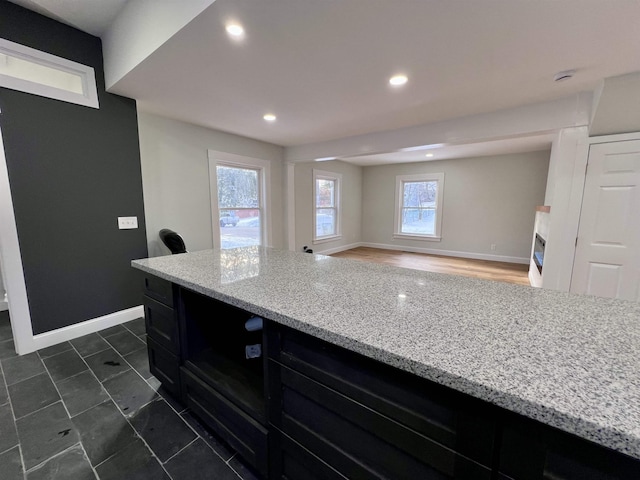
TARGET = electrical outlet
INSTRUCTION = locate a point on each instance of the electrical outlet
(253, 351)
(493, 246)
(127, 223)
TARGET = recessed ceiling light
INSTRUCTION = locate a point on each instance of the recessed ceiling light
(235, 30)
(429, 155)
(398, 80)
(325, 159)
(270, 117)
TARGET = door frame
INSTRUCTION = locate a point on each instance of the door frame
(240, 161)
(623, 137)
(11, 260)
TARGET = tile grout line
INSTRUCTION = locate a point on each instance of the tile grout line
(27, 378)
(39, 410)
(182, 449)
(64, 405)
(15, 425)
(41, 464)
(126, 419)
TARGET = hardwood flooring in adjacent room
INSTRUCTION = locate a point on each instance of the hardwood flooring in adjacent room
(489, 270)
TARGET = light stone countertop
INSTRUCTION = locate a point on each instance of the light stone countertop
(569, 361)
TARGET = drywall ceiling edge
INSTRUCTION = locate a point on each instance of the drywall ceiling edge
(140, 28)
(539, 118)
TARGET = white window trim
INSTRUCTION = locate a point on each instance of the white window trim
(88, 99)
(421, 177)
(337, 177)
(225, 159)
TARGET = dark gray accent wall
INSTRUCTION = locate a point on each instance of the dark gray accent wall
(73, 170)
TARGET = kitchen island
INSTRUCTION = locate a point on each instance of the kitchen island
(513, 362)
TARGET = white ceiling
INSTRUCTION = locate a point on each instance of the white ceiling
(91, 16)
(323, 66)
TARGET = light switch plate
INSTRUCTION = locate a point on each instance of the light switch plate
(127, 223)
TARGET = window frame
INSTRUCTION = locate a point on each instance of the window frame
(89, 97)
(263, 167)
(337, 178)
(399, 205)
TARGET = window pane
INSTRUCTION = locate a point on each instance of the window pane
(418, 221)
(34, 72)
(325, 193)
(419, 194)
(239, 228)
(325, 222)
(237, 187)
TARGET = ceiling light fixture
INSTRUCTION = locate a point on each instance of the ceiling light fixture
(235, 30)
(429, 155)
(398, 80)
(564, 75)
(325, 159)
(270, 117)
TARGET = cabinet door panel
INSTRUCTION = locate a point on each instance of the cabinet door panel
(159, 289)
(291, 461)
(358, 441)
(164, 366)
(531, 451)
(242, 432)
(162, 325)
(463, 424)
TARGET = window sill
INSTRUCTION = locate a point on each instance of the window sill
(428, 238)
(326, 239)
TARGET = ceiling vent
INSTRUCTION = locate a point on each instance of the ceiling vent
(562, 76)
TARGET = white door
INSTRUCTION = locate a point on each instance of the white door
(607, 260)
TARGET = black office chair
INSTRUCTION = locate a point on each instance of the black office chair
(172, 240)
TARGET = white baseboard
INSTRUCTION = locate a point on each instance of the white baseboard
(448, 253)
(331, 251)
(63, 334)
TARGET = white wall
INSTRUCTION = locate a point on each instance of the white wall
(175, 179)
(351, 205)
(487, 200)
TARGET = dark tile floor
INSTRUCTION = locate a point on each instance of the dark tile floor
(90, 408)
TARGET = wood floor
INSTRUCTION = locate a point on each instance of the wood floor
(499, 271)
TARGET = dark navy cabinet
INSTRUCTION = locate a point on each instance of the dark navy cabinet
(300, 408)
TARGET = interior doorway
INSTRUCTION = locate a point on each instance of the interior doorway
(607, 258)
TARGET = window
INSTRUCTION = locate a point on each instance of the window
(326, 206)
(32, 71)
(239, 206)
(419, 206)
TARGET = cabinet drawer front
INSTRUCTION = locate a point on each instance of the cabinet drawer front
(162, 325)
(159, 289)
(164, 366)
(291, 461)
(243, 433)
(358, 441)
(464, 425)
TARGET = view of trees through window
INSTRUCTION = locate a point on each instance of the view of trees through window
(325, 207)
(419, 207)
(239, 206)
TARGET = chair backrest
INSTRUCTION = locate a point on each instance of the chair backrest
(172, 240)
